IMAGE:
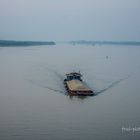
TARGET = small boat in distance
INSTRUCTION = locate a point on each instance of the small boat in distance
(76, 86)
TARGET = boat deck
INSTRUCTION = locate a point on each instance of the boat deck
(77, 85)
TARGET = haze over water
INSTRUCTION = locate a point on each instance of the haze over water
(34, 104)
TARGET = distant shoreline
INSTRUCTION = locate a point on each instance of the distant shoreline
(84, 42)
(9, 43)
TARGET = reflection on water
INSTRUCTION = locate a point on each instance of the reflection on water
(35, 105)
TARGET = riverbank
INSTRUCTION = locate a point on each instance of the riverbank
(9, 43)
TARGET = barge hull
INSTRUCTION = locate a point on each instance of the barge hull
(78, 88)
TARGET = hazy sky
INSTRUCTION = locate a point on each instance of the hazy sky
(70, 19)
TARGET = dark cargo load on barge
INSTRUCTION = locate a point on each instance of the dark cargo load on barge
(76, 86)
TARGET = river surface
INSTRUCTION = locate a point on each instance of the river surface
(35, 106)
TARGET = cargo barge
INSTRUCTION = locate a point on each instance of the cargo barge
(76, 86)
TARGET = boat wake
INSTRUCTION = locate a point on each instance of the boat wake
(52, 80)
(111, 85)
(48, 87)
(58, 86)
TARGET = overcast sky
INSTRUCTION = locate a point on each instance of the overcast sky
(70, 20)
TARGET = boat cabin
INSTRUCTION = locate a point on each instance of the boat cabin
(74, 76)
